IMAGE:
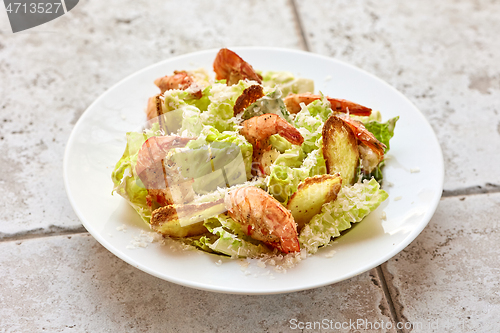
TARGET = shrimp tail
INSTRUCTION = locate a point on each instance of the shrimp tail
(290, 133)
(365, 136)
(263, 218)
(377, 147)
(343, 105)
(231, 67)
(292, 103)
(257, 131)
(288, 245)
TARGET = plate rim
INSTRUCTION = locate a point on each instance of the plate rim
(432, 206)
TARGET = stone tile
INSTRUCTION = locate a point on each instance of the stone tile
(449, 276)
(52, 73)
(443, 55)
(72, 283)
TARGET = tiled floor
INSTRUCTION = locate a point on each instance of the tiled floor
(449, 276)
(62, 282)
(444, 56)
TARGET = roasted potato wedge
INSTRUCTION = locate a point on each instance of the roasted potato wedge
(340, 149)
(311, 195)
(184, 220)
(268, 158)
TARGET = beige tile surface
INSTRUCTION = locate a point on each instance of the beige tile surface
(73, 284)
(443, 55)
(449, 276)
(50, 74)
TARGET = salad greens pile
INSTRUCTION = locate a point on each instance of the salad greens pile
(210, 120)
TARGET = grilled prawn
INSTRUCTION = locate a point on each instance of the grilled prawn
(231, 67)
(257, 131)
(292, 103)
(263, 218)
(180, 80)
(370, 149)
(164, 184)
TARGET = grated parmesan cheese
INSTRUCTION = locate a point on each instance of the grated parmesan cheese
(244, 263)
(144, 239)
(330, 254)
(123, 228)
(261, 264)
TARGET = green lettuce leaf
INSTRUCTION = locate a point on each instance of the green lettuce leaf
(286, 173)
(210, 134)
(181, 114)
(279, 143)
(174, 97)
(270, 103)
(283, 181)
(353, 203)
(287, 82)
(320, 108)
(374, 116)
(126, 183)
(204, 242)
(382, 131)
(230, 240)
(211, 166)
(220, 110)
(309, 121)
(202, 78)
(292, 157)
(315, 163)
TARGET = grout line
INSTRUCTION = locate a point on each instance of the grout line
(392, 309)
(488, 188)
(300, 25)
(472, 190)
(42, 233)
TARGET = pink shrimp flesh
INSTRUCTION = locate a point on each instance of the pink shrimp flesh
(263, 218)
(155, 149)
(165, 184)
(180, 80)
(365, 137)
(257, 131)
(231, 67)
(292, 103)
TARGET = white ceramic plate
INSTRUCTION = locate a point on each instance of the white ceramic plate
(98, 141)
